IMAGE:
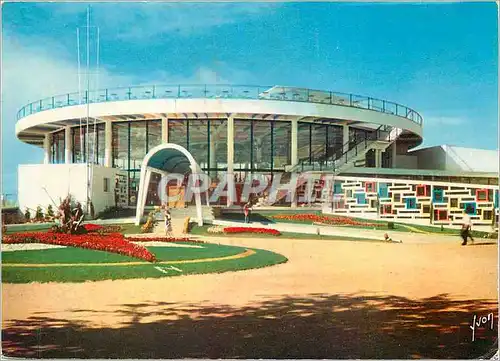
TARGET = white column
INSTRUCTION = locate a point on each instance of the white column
(394, 153)
(230, 159)
(378, 158)
(197, 197)
(164, 130)
(213, 162)
(46, 149)
(142, 194)
(345, 137)
(68, 145)
(294, 149)
(108, 143)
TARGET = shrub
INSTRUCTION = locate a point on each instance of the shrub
(50, 211)
(186, 225)
(39, 214)
(27, 215)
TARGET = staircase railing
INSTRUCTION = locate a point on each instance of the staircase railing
(351, 148)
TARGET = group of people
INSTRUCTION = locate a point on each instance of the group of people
(70, 220)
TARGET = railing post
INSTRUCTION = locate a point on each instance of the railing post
(331, 98)
(31, 108)
(369, 107)
(106, 95)
(350, 100)
(53, 103)
(68, 98)
(396, 109)
(179, 91)
(129, 93)
(154, 91)
(383, 106)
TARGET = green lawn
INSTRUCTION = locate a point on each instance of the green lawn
(266, 218)
(81, 273)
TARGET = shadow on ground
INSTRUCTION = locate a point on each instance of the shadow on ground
(317, 326)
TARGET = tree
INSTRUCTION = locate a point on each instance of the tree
(39, 214)
(50, 211)
(27, 215)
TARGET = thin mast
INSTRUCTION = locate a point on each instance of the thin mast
(88, 110)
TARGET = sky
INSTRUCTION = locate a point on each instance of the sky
(439, 59)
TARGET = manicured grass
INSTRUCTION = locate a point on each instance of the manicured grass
(128, 228)
(82, 273)
(64, 255)
(266, 218)
(203, 231)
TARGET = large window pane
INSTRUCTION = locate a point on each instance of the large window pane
(154, 134)
(120, 145)
(177, 132)
(137, 144)
(242, 144)
(218, 144)
(198, 141)
(303, 142)
(57, 147)
(318, 142)
(282, 144)
(262, 156)
(335, 141)
(101, 143)
(79, 149)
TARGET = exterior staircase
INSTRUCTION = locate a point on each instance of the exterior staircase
(355, 155)
(179, 216)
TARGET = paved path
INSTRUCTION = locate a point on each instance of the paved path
(375, 234)
(332, 299)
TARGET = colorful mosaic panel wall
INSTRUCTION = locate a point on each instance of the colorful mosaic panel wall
(440, 203)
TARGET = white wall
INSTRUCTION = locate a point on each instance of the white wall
(100, 198)
(44, 184)
(407, 161)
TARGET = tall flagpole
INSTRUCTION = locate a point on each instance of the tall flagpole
(87, 153)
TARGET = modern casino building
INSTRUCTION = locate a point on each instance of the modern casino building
(370, 145)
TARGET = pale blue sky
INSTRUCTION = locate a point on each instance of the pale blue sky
(439, 59)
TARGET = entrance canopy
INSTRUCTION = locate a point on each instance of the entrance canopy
(164, 159)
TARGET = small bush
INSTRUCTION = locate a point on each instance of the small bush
(390, 225)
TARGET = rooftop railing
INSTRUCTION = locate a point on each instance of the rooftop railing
(277, 93)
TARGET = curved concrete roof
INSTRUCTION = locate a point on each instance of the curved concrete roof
(279, 103)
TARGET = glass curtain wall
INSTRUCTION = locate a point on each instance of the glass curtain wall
(57, 144)
(130, 143)
(318, 142)
(262, 145)
(79, 137)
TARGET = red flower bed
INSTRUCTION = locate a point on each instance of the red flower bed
(115, 243)
(274, 232)
(162, 239)
(89, 227)
(334, 220)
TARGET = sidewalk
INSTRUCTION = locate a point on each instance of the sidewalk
(376, 234)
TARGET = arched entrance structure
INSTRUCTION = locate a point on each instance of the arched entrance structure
(164, 159)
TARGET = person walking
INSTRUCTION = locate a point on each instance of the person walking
(168, 223)
(246, 211)
(466, 229)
